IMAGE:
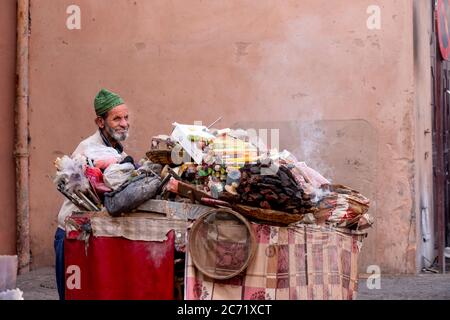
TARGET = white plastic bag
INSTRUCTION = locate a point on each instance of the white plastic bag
(96, 151)
(70, 171)
(312, 176)
(185, 134)
(117, 174)
(8, 272)
(14, 294)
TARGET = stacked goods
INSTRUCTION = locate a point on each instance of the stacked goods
(277, 191)
(213, 167)
(101, 179)
(233, 152)
(230, 171)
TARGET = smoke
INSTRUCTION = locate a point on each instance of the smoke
(312, 145)
(319, 194)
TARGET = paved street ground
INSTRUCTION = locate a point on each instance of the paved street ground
(40, 285)
(418, 287)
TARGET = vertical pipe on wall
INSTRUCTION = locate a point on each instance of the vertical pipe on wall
(21, 137)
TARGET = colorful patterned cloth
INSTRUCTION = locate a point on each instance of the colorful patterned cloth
(291, 263)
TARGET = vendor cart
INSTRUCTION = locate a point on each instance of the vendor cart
(146, 255)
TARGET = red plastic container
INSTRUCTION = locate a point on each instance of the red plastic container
(117, 268)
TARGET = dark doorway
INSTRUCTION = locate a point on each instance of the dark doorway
(440, 71)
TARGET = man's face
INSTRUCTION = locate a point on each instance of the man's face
(116, 123)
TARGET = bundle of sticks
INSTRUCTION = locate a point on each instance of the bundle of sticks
(86, 200)
(277, 191)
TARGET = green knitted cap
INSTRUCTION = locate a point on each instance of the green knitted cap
(105, 101)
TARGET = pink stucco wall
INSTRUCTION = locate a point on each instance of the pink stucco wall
(7, 96)
(342, 95)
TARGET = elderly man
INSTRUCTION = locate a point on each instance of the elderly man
(112, 122)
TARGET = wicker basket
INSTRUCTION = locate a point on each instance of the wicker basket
(162, 156)
(268, 216)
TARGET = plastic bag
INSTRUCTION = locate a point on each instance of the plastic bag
(8, 272)
(131, 195)
(308, 178)
(117, 174)
(71, 173)
(14, 294)
(95, 177)
(311, 176)
(101, 155)
(192, 138)
(149, 167)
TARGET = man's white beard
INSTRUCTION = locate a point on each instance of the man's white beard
(116, 135)
(120, 136)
